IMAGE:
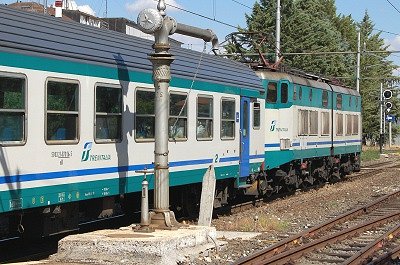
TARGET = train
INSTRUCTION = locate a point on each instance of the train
(77, 124)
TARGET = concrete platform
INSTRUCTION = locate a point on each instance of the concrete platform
(124, 246)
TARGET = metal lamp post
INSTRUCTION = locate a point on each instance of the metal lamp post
(156, 22)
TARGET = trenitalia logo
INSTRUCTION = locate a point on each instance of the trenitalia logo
(86, 151)
(273, 124)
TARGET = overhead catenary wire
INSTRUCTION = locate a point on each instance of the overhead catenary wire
(237, 2)
(393, 6)
(200, 15)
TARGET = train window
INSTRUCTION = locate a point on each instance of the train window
(349, 123)
(178, 121)
(339, 124)
(350, 98)
(356, 100)
(62, 111)
(12, 110)
(227, 118)
(324, 98)
(294, 92)
(144, 118)
(272, 93)
(313, 122)
(310, 95)
(325, 123)
(339, 101)
(300, 93)
(204, 130)
(284, 93)
(355, 124)
(303, 122)
(256, 115)
(108, 113)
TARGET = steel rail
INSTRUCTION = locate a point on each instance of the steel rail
(296, 239)
(298, 252)
(386, 258)
(367, 251)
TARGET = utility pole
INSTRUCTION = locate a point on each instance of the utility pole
(358, 60)
(278, 30)
(156, 22)
(390, 133)
(381, 121)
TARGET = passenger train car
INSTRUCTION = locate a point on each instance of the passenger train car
(77, 123)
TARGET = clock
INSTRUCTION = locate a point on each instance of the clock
(149, 20)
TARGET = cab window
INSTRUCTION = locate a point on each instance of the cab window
(284, 93)
(272, 93)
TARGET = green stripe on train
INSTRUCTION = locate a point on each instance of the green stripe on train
(83, 69)
(276, 158)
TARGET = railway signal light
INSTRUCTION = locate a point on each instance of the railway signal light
(388, 105)
(387, 94)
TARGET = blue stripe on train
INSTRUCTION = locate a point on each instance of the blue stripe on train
(107, 170)
(316, 143)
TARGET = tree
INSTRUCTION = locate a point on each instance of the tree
(376, 68)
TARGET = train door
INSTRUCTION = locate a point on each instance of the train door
(244, 137)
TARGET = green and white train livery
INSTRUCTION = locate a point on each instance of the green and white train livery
(77, 122)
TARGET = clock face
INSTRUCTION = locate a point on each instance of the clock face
(149, 20)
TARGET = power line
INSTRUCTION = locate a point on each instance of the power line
(200, 15)
(237, 2)
(312, 53)
(393, 6)
(396, 34)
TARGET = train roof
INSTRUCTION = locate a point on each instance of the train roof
(269, 75)
(45, 36)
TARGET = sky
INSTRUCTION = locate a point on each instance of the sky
(385, 14)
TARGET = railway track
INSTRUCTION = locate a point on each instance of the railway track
(369, 233)
(365, 172)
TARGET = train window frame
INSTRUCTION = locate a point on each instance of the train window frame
(350, 100)
(76, 113)
(294, 92)
(269, 90)
(349, 124)
(210, 138)
(284, 93)
(23, 111)
(325, 98)
(139, 139)
(256, 127)
(300, 92)
(106, 114)
(356, 126)
(313, 123)
(231, 120)
(339, 101)
(179, 117)
(325, 120)
(341, 132)
(303, 122)
(310, 95)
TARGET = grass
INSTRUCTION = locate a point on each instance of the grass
(372, 152)
(260, 224)
(369, 154)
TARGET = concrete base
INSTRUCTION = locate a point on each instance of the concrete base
(126, 246)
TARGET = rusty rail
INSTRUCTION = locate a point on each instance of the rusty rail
(291, 242)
